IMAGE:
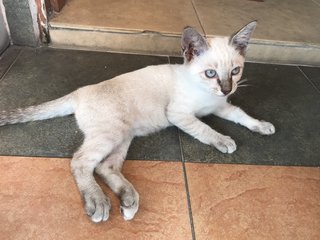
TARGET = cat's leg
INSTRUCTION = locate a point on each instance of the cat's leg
(237, 115)
(93, 150)
(190, 124)
(110, 171)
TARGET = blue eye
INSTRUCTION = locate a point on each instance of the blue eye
(210, 73)
(235, 71)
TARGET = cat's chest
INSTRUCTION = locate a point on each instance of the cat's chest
(204, 111)
(202, 108)
(204, 104)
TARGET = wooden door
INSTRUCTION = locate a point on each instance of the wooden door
(56, 5)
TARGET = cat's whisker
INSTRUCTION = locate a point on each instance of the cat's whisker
(243, 80)
(245, 85)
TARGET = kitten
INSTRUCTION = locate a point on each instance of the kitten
(113, 112)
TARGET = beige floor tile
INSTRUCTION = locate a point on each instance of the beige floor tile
(287, 33)
(254, 202)
(286, 20)
(316, 2)
(39, 200)
(167, 16)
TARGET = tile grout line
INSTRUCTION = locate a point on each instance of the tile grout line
(309, 80)
(168, 59)
(188, 201)
(194, 8)
(315, 2)
(187, 189)
(10, 66)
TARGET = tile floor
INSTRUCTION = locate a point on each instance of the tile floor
(39, 200)
(279, 20)
(44, 203)
(273, 192)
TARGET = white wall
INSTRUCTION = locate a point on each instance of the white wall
(4, 30)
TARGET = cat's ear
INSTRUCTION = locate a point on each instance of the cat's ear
(192, 43)
(240, 39)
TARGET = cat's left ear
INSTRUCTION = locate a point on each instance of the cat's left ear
(240, 39)
(192, 43)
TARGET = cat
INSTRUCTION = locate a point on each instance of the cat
(113, 112)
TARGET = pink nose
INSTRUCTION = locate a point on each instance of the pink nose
(225, 91)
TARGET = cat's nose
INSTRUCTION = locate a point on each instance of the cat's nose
(226, 91)
(226, 86)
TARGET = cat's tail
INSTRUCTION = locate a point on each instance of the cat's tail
(57, 108)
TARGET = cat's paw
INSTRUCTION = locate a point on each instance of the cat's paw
(264, 128)
(97, 206)
(129, 204)
(225, 144)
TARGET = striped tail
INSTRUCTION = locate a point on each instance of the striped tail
(57, 108)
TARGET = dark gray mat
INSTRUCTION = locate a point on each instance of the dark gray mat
(7, 58)
(44, 74)
(313, 74)
(280, 94)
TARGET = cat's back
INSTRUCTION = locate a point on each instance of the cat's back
(150, 84)
(149, 80)
(148, 76)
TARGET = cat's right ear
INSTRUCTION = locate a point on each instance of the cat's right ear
(192, 43)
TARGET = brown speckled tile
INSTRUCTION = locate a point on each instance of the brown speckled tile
(254, 202)
(39, 200)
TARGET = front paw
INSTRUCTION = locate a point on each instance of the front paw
(97, 206)
(225, 144)
(264, 128)
(129, 204)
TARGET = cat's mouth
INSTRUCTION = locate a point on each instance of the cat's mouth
(226, 92)
(220, 93)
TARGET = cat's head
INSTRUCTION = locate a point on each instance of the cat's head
(218, 63)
